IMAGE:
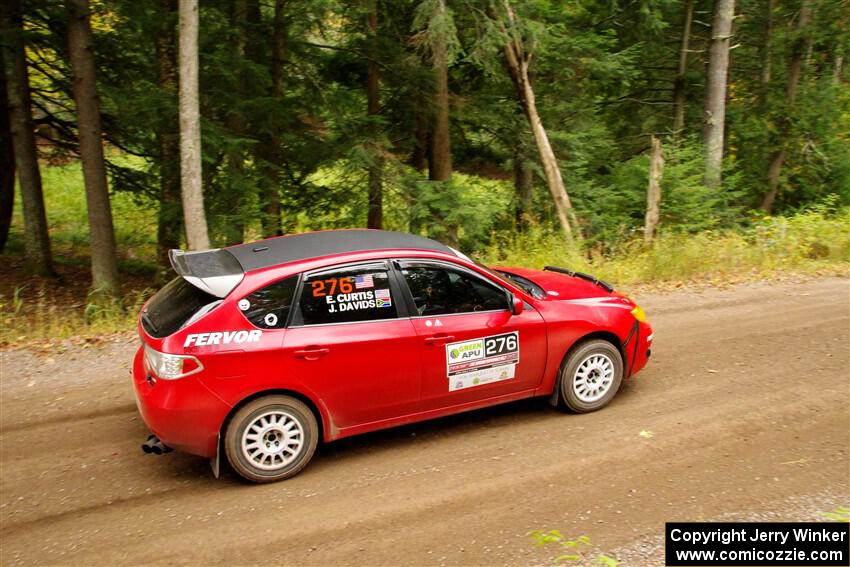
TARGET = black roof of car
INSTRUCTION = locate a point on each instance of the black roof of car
(285, 249)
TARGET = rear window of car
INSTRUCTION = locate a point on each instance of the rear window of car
(172, 306)
(269, 307)
(347, 295)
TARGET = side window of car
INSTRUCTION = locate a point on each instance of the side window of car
(357, 293)
(439, 290)
(269, 307)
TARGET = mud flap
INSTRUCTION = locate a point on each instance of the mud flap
(555, 397)
(215, 462)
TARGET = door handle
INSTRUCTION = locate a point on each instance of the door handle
(312, 353)
(439, 339)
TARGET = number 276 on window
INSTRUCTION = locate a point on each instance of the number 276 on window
(331, 286)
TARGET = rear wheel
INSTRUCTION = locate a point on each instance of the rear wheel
(271, 438)
(591, 376)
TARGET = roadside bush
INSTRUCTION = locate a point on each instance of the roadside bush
(579, 550)
(810, 241)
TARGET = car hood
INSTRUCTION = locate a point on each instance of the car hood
(558, 285)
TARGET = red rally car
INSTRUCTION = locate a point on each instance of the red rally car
(262, 350)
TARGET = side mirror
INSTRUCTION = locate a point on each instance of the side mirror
(517, 305)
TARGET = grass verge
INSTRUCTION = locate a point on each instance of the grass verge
(815, 242)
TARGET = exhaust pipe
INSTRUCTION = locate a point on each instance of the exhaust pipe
(153, 445)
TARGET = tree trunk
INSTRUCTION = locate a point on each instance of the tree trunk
(523, 178)
(190, 130)
(419, 155)
(419, 160)
(36, 239)
(679, 84)
(715, 98)
(440, 164)
(440, 156)
(795, 67)
(766, 53)
(169, 222)
(518, 62)
(7, 161)
(271, 188)
(653, 191)
(375, 217)
(234, 230)
(104, 255)
(840, 49)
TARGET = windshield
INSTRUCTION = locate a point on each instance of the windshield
(524, 284)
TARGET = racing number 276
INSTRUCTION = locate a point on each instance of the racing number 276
(500, 344)
(343, 285)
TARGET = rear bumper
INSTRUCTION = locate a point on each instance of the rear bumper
(183, 413)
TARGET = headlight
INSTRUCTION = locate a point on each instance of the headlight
(171, 366)
(639, 313)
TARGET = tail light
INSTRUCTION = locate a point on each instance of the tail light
(171, 366)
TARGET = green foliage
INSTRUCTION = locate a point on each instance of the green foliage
(434, 25)
(815, 240)
(134, 217)
(808, 242)
(472, 203)
(578, 550)
(840, 514)
(42, 318)
(603, 74)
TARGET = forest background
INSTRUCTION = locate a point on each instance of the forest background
(640, 140)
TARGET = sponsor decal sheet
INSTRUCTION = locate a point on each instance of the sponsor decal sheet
(482, 361)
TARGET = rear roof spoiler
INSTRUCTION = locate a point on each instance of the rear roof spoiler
(216, 272)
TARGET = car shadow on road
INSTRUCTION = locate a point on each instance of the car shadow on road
(461, 426)
(495, 420)
(527, 411)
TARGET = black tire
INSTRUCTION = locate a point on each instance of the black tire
(584, 400)
(289, 423)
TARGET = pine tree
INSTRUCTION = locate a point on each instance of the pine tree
(190, 130)
(36, 239)
(715, 97)
(7, 160)
(104, 256)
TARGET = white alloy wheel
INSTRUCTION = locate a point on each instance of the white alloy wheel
(593, 377)
(590, 375)
(273, 440)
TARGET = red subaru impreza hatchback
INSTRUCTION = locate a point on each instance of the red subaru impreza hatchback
(262, 350)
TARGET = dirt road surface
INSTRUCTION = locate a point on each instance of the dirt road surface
(746, 398)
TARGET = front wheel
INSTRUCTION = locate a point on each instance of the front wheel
(271, 438)
(591, 376)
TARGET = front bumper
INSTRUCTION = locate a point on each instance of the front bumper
(183, 413)
(641, 350)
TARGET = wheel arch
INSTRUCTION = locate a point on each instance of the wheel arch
(604, 335)
(322, 419)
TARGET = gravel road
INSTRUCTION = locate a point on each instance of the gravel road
(746, 399)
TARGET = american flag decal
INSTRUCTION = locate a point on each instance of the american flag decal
(363, 282)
